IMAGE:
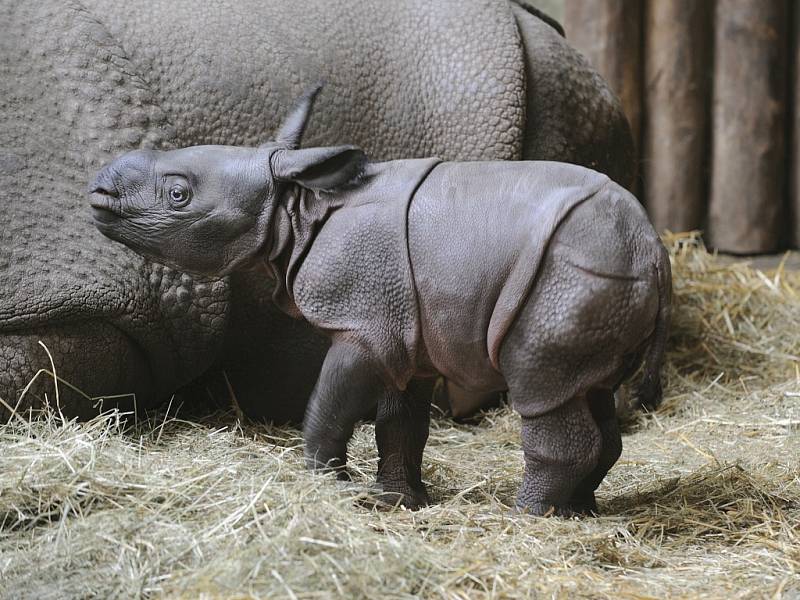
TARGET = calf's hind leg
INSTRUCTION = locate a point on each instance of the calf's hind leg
(561, 448)
(601, 405)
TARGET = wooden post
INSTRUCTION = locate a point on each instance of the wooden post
(675, 146)
(794, 162)
(749, 101)
(609, 34)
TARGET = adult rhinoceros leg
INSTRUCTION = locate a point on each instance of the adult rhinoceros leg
(115, 325)
(271, 360)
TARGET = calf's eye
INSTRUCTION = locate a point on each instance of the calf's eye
(178, 191)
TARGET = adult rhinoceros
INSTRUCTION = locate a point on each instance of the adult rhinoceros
(82, 81)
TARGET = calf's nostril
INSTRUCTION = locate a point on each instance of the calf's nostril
(103, 185)
(105, 191)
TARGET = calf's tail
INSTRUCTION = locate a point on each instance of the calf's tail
(648, 392)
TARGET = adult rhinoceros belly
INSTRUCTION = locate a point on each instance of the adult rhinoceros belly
(81, 82)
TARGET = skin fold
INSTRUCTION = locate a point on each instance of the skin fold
(557, 299)
(83, 82)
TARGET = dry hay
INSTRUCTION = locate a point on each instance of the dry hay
(703, 503)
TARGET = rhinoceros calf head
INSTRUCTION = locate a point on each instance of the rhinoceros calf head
(207, 209)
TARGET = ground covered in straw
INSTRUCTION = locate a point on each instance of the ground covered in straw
(705, 501)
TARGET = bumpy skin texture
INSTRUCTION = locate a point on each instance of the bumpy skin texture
(81, 82)
(558, 298)
(562, 92)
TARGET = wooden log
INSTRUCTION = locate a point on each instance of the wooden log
(675, 144)
(609, 34)
(794, 162)
(749, 104)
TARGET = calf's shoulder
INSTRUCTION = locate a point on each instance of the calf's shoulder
(356, 280)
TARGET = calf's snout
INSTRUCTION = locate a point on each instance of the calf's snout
(103, 184)
(130, 170)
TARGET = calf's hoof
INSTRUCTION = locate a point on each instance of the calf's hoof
(543, 509)
(387, 496)
(333, 465)
(586, 506)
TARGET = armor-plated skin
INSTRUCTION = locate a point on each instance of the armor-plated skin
(542, 278)
(83, 82)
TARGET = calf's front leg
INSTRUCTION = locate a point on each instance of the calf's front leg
(348, 389)
(401, 432)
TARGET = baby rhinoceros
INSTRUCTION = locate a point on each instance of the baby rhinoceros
(540, 278)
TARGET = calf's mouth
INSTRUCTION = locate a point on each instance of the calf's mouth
(104, 202)
(104, 199)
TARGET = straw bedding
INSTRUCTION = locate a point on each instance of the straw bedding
(705, 501)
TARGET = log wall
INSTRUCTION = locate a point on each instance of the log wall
(713, 110)
(675, 98)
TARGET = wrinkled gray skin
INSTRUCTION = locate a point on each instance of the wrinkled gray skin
(557, 296)
(82, 82)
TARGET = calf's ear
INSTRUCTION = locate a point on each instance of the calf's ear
(322, 169)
